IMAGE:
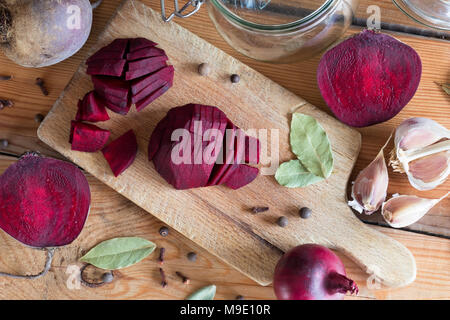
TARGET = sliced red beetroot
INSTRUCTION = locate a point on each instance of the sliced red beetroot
(119, 102)
(87, 137)
(368, 78)
(121, 153)
(147, 63)
(44, 202)
(122, 108)
(152, 87)
(139, 43)
(114, 50)
(111, 86)
(241, 176)
(145, 53)
(165, 73)
(203, 161)
(252, 150)
(91, 109)
(141, 104)
(107, 67)
(134, 74)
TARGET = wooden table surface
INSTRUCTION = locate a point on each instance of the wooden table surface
(112, 215)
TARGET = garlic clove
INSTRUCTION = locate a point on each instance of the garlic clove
(422, 150)
(370, 187)
(402, 211)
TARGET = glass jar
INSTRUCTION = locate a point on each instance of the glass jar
(431, 13)
(281, 31)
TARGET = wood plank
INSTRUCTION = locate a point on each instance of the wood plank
(112, 216)
(224, 226)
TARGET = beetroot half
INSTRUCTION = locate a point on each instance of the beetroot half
(91, 109)
(87, 137)
(311, 272)
(369, 78)
(196, 159)
(45, 203)
(130, 71)
(121, 153)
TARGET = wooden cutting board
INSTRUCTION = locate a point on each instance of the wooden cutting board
(218, 218)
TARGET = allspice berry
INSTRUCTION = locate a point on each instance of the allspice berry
(282, 221)
(204, 69)
(164, 231)
(235, 78)
(305, 213)
(192, 256)
(39, 118)
(107, 277)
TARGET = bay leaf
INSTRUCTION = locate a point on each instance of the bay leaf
(119, 253)
(205, 293)
(446, 87)
(293, 174)
(309, 142)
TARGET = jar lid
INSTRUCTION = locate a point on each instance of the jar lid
(431, 13)
(273, 12)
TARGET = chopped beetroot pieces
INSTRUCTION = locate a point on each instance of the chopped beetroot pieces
(44, 202)
(91, 109)
(252, 150)
(165, 74)
(139, 43)
(201, 156)
(145, 53)
(107, 67)
(130, 71)
(134, 74)
(121, 153)
(368, 78)
(141, 104)
(87, 137)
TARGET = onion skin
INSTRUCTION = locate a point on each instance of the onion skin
(38, 34)
(311, 272)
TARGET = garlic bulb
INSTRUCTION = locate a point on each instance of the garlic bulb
(422, 151)
(370, 187)
(402, 211)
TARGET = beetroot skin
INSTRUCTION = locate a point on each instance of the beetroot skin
(201, 168)
(369, 78)
(121, 153)
(44, 202)
(311, 272)
(130, 71)
(87, 137)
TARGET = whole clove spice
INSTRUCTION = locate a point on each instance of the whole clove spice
(40, 83)
(256, 210)
(164, 231)
(163, 278)
(5, 103)
(162, 254)
(183, 278)
(192, 256)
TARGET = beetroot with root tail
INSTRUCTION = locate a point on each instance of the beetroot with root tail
(368, 78)
(311, 272)
(91, 109)
(87, 137)
(121, 153)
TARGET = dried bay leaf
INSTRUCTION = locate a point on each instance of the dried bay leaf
(293, 174)
(205, 293)
(119, 253)
(309, 142)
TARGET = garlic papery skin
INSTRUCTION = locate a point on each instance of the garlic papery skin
(370, 187)
(422, 151)
(402, 211)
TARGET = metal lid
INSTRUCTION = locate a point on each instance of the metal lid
(273, 12)
(432, 13)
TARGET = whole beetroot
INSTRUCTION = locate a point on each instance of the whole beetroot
(39, 33)
(368, 78)
(311, 272)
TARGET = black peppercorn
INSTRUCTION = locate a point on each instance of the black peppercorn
(4, 143)
(282, 221)
(239, 297)
(305, 212)
(192, 256)
(39, 118)
(235, 78)
(164, 231)
(107, 277)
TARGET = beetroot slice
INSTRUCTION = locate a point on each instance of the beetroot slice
(87, 137)
(165, 73)
(139, 43)
(241, 176)
(122, 109)
(107, 67)
(147, 63)
(145, 53)
(91, 109)
(140, 105)
(119, 102)
(108, 86)
(103, 55)
(121, 153)
(148, 90)
(45, 202)
(134, 74)
(369, 78)
(115, 50)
